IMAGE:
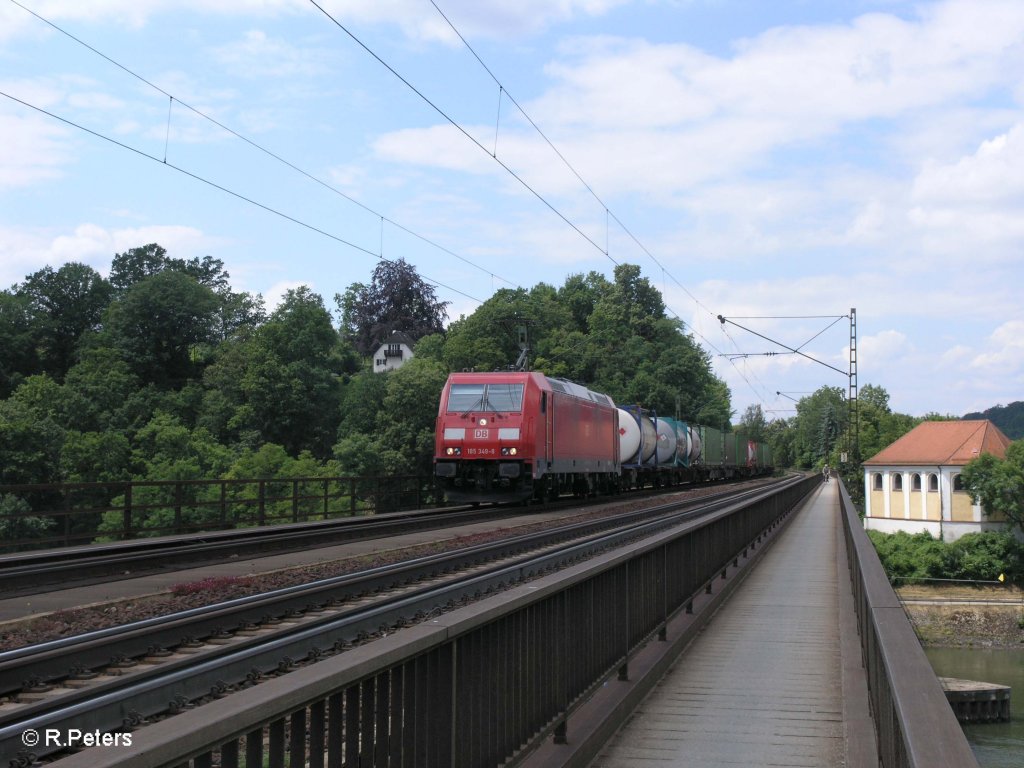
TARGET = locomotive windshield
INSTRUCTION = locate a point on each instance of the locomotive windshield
(485, 397)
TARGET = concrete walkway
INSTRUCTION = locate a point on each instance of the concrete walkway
(762, 685)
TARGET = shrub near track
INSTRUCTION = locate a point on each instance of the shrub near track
(975, 557)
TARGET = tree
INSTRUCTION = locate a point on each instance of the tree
(820, 419)
(998, 483)
(18, 340)
(483, 341)
(781, 435)
(16, 522)
(64, 305)
(289, 385)
(753, 424)
(101, 383)
(29, 446)
(135, 265)
(158, 321)
(397, 299)
(580, 295)
(875, 396)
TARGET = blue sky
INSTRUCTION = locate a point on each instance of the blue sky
(772, 159)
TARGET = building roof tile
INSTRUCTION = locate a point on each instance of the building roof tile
(944, 443)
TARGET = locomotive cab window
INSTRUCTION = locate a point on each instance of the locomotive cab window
(485, 397)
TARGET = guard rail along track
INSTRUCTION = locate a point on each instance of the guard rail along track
(467, 682)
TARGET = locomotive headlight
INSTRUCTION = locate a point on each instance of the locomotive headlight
(450, 451)
(483, 422)
(509, 451)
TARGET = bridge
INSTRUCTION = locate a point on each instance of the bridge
(766, 635)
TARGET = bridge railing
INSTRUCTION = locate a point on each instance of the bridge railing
(51, 515)
(914, 724)
(474, 686)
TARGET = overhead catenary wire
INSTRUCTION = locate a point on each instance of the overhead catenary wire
(502, 91)
(608, 213)
(455, 124)
(172, 99)
(219, 187)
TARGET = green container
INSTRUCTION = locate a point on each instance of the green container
(713, 445)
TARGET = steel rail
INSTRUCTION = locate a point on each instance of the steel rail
(42, 570)
(131, 699)
(31, 571)
(45, 663)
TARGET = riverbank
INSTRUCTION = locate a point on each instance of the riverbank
(966, 617)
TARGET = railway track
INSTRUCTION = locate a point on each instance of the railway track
(35, 572)
(39, 571)
(121, 677)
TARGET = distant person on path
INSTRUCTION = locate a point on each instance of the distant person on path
(826, 473)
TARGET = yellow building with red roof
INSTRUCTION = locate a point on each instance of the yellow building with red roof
(913, 485)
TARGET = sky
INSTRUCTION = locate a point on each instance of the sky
(775, 164)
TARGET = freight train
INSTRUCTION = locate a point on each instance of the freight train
(515, 436)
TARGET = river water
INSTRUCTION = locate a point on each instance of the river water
(996, 745)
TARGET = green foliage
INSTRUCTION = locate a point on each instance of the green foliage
(64, 305)
(984, 556)
(29, 446)
(974, 557)
(18, 340)
(821, 418)
(906, 557)
(157, 322)
(95, 457)
(16, 522)
(1009, 418)
(396, 299)
(162, 373)
(820, 432)
(998, 483)
(753, 424)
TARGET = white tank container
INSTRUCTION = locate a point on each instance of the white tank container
(695, 449)
(650, 435)
(629, 437)
(667, 441)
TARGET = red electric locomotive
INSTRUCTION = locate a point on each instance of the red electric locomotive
(513, 436)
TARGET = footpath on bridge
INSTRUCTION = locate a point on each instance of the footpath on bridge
(763, 684)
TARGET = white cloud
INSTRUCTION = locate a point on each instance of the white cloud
(993, 174)
(275, 294)
(974, 205)
(258, 56)
(33, 149)
(23, 252)
(661, 119)
(1004, 353)
(417, 20)
(883, 349)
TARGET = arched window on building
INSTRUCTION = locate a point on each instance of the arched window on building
(933, 483)
(915, 482)
(897, 482)
(957, 485)
(876, 481)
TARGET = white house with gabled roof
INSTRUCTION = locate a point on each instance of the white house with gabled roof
(393, 352)
(914, 485)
